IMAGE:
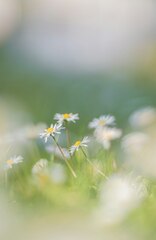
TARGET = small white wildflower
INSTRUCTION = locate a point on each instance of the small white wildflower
(13, 160)
(69, 117)
(143, 117)
(134, 142)
(141, 155)
(118, 196)
(78, 144)
(40, 166)
(51, 131)
(105, 135)
(104, 120)
(21, 135)
(58, 173)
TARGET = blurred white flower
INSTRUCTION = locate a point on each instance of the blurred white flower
(118, 196)
(143, 117)
(51, 131)
(56, 151)
(142, 156)
(21, 135)
(134, 142)
(105, 135)
(69, 117)
(40, 166)
(57, 173)
(33, 131)
(13, 160)
(78, 144)
(105, 120)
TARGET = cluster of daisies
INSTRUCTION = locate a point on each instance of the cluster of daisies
(61, 124)
(104, 132)
(121, 192)
(55, 129)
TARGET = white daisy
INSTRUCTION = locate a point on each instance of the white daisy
(40, 166)
(119, 196)
(105, 135)
(69, 117)
(13, 160)
(51, 131)
(143, 117)
(104, 120)
(135, 142)
(78, 144)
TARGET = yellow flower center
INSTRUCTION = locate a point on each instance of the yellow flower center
(77, 144)
(66, 115)
(10, 162)
(50, 130)
(102, 122)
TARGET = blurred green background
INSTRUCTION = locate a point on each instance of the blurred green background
(42, 93)
(75, 56)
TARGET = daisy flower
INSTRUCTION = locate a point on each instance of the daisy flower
(104, 120)
(135, 142)
(13, 160)
(51, 131)
(40, 166)
(106, 135)
(119, 195)
(78, 144)
(143, 117)
(69, 117)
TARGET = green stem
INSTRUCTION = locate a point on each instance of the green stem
(67, 134)
(93, 164)
(66, 161)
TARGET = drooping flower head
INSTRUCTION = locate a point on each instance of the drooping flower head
(68, 117)
(78, 144)
(51, 131)
(13, 160)
(40, 166)
(104, 120)
(105, 135)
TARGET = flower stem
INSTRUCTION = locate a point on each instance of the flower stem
(93, 164)
(67, 135)
(66, 161)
